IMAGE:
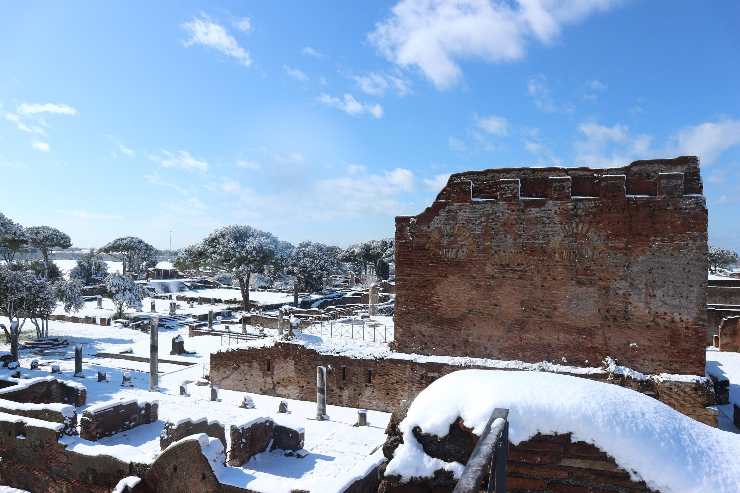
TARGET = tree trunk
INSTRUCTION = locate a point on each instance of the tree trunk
(244, 288)
(45, 255)
(14, 333)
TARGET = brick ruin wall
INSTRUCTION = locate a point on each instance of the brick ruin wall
(289, 370)
(557, 264)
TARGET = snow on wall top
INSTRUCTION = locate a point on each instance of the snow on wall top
(669, 451)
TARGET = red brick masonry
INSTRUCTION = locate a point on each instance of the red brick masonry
(559, 263)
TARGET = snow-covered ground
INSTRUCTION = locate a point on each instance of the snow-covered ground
(671, 452)
(337, 451)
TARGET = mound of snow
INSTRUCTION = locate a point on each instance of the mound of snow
(668, 450)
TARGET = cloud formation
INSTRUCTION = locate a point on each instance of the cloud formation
(435, 35)
(203, 31)
(708, 140)
(377, 83)
(179, 159)
(494, 125)
(351, 106)
(602, 145)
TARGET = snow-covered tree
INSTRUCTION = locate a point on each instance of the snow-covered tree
(13, 239)
(13, 288)
(44, 238)
(70, 294)
(377, 254)
(720, 258)
(124, 291)
(89, 269)
(40, 301)
(135, 253)
(311, 264)
(237, 250)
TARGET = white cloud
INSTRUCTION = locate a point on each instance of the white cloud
(179, 159)
(401, 178)
(248, 164)
(601, 145)
(543, 154)
(36, 108)
(376, 84)
(708, 140)
(351, 106)
(203, 31)
(16, 120)
(494, 125)
(435, 35)
(363, 194)
(312, 52)
(126, 150)
(41, 146)
(437, 182)
(295, 73)
(244, 24)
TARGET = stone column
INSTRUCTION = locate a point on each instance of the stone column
(152, 306)
(173, 307)
(362, 417)
(100, 301)
(210, 319)
(321, 393)
(153, 354)
(78, 361)
(372, 299)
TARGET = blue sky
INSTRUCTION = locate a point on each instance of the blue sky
(323, 121)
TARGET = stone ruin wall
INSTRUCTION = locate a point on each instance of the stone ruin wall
(289, 370)
(559, 264)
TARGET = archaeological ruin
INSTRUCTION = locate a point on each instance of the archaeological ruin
(555, 269)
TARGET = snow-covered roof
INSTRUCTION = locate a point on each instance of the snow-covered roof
(164, 265)
(671, 452)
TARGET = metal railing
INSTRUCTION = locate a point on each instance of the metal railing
(488, 459)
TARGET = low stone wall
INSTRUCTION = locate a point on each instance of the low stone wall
(43, 390)
(110, 418)
(248, 440)
(64, 414)
(289, 370)
(177, 431)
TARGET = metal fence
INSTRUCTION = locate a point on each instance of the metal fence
(360, 329)
(488, 460)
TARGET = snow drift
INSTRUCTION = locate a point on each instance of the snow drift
(668, 450)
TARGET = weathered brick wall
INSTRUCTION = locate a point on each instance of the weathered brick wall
(109, 419)
(559, 263)
(729, 334)
(289, 370)
(723, 295)
(547, 464)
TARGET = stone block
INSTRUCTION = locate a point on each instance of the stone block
(287, 438)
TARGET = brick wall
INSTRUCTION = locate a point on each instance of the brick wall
(289, 370)
(723, 295)
(553, 263)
